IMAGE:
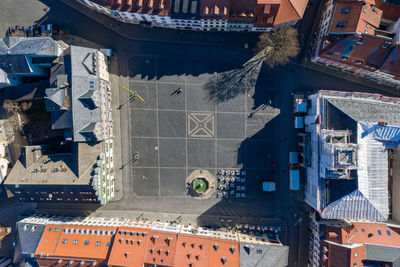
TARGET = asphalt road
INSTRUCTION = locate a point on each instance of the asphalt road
(278, 84)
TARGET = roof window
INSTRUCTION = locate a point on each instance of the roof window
(98, 243)
(75, 242)
(379, 232)
(86, 243)
(65, 241)
(345, 10)
(341, 24)
(388, 232)
(364, 10)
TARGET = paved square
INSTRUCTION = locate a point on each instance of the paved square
(178, 131)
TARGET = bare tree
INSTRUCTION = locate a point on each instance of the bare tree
(11, 106)
(278, 46)
(26, 105)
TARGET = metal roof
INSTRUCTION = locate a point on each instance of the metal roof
(368, 110)
(383, 254)
(370, 199)
(44, 46)
(29, 235)
(261, 255)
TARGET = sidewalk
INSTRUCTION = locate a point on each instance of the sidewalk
(231, 40)
(114, 79)
(391, 91)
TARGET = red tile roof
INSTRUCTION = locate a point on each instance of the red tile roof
(129, 247)
(392, 64)
(160, 7)
(224, 253)
(190, 249)
(357, 16)
(390, 12)
(363, 51)
(160, 248)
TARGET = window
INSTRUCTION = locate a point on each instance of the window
(65, 241)
(379, 232)
(97, 243)
(57, 230)
(86, 243)
(75, 242)
(341, 24)
(355, 254)
(362, 230)
(388, 232)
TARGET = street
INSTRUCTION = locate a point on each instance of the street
(222, 81)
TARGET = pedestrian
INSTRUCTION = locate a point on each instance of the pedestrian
(180, 90)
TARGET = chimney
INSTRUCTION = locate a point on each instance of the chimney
(332, 235)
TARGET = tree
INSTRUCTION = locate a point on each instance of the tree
(11, 106)
(18, 118)
(278, 46)
(26, 105)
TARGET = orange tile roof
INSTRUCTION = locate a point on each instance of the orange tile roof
(224, 253)
(160, 248)
(364, 233)
(76, 241)
(290, 10)
(49, 240)
(129, 247)
(193, 250)
(360, 17)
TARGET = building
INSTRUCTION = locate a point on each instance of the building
(26, 58)
(206, 15)
(82, 170)
(352, 244)
(97, 241)
(80, 97)
(77, 174)
(360, 37)
(348, 141)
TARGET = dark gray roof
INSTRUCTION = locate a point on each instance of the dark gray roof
(44, 46)
(84, 92)
(29, 235)
(14, 64)
(61, 119)
(368, 111)
(259, 255)
(383, 254)
(185, 9)
(54, 98)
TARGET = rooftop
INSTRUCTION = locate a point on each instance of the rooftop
(362, 194)
(359, 241)
(363, 51)
(36, 166)
(43, 46)
(135, 243)
(355, 17)
(392, 64)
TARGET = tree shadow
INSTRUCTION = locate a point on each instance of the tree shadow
(230, 84)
